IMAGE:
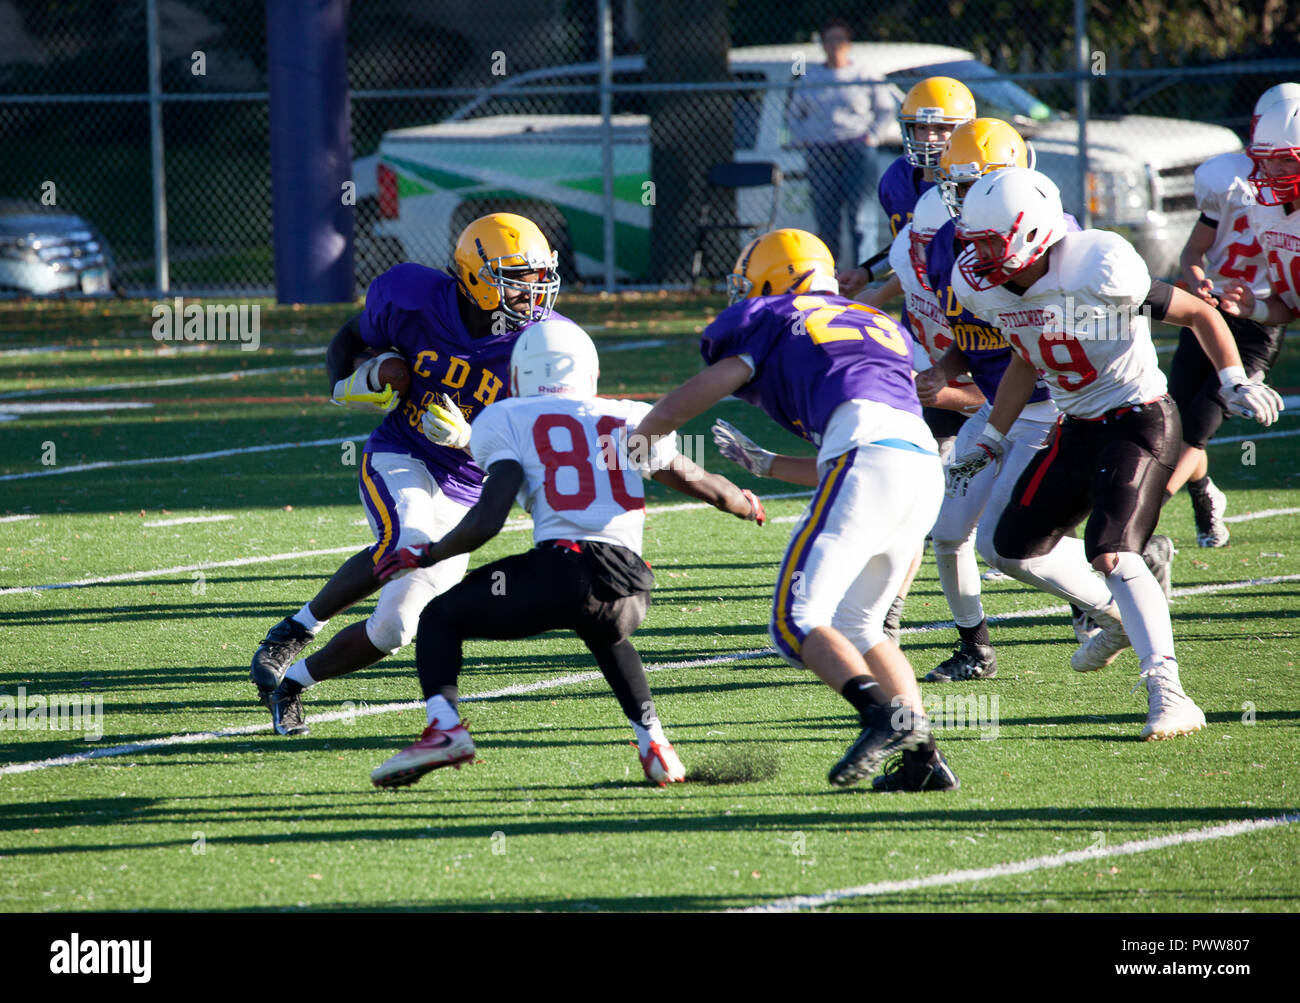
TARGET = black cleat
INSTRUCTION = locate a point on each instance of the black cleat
(969, 661)
(286, 709)
(885, 730)
(894, 620)
(278, 650)
(917, 771)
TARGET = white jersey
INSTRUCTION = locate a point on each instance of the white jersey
(924, 315)
(1279, 236)
(1080, 325)
(578, 481)
(1224, 194)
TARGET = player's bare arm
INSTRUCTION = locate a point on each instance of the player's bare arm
(930, 382)
(1240, 301)
(689, 478)
(1014, 391)
(694, 397)
(1192, 262)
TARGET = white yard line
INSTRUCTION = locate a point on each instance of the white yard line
(1257, 436)
(53, 407)
(1265, 514)
(189, 519)
(175, 381)
(796, 902)
(631, 346)
(544, 684)
(16, 518)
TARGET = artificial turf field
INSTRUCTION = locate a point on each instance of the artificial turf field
(555, 815)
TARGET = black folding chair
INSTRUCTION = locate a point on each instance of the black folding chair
(735, 175)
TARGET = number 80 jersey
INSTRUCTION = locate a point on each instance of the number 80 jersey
(1082, 325)
(579, 483)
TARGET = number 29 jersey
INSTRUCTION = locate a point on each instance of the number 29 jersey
(579, 483)
(1081, 325)
(811, 353)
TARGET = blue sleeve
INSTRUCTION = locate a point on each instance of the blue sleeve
(375, 317)
(742, 329)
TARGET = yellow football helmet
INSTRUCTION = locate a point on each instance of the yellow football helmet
(493, 247)
(934, 101)
(973, 150)
(780, 262)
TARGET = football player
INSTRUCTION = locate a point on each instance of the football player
(1220, 248)
(1274, 218)
(455, 331)
(968, 517)
(1076, 306)
(931, 110)
(575, 462)
(838, 374)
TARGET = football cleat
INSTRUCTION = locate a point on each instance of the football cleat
(885, 730)
(1159, 557)
(661, 765)
(1103, 647)
(1085, 627)
(1170, 711)
(435, 748)
(969, 661)
(286, 709)
(1211, 531)
(917, 771)
(278, 650)
(894, 620)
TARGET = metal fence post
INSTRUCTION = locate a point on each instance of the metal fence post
(1081, 96)
(606, 32)
(157, 175)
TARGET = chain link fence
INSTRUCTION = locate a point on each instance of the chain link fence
(464, 108)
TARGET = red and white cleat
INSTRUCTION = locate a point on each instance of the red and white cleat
(662, 766)
(434, 749)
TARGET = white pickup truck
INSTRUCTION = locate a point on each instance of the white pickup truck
(490, 155)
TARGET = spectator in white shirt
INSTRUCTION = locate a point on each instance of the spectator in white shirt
(835, 126)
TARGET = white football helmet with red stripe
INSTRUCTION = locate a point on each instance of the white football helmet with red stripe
(1275, 150)
(1276, 93)
(556, 357)
(929, 215)
(1010, 218)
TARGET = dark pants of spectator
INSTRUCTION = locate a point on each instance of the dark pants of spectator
(841, 176)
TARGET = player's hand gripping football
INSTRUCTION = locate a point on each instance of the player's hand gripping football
(445, 425)
(988, 449)
(403, 561)
(361, 392)
(1252, 399)
(740, 449)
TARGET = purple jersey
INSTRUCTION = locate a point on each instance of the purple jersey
(900, 187)
(987, 353)
(812, 353)
(415, 310)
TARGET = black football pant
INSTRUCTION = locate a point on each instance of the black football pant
(547, 588)
(1194, 382)
(1111, 471)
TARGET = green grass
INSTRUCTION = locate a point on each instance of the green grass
(555, 816)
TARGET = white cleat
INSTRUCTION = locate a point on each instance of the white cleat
(1085, 628)
(435, 748)
(1170, 711)
(661, 765)
(1103, 647)
(1211, 530)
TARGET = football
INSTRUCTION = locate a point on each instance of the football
(395, 372)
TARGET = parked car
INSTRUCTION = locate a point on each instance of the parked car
(44, 252)
(433, 179)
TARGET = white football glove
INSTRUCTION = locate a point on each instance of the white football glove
(1251, 398)
(988, 449)
(739, 448)
(445, 425)
(360, 390)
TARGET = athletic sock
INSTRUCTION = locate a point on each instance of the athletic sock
(1165, 498)
(979, 634)
(1200, 490)
(299, 674)
(1143, 608)
(307, 618)
(438, 708)
(863, 692)
(647, 734)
